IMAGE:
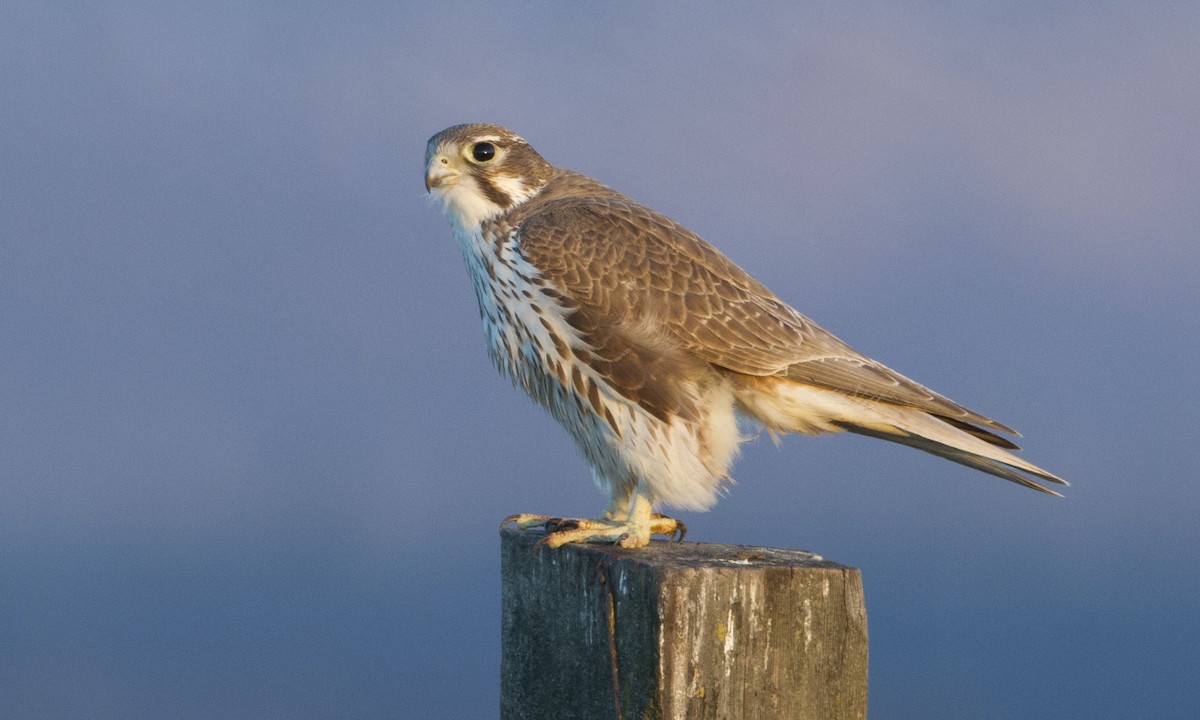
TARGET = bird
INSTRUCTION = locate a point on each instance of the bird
(654, 350)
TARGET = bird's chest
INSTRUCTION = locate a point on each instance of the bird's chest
(526, 328)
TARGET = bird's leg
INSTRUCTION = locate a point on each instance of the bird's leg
(625, 502)
(629, 527)
(618, 506)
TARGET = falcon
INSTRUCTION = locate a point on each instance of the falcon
(648, 345)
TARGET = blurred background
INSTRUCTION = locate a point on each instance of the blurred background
(253, 454)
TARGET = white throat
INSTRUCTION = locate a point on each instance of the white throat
(467, 206)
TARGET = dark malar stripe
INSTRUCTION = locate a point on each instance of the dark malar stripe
(494, 193)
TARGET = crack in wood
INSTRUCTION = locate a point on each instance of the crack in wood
(602, 571)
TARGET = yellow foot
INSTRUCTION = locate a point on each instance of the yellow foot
(626, 533)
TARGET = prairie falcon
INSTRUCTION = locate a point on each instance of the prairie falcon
(647, 344)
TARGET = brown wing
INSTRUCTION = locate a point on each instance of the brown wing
(628, 267)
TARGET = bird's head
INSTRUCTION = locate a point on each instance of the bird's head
(479, 171)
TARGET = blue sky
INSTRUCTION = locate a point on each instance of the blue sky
(252, 452)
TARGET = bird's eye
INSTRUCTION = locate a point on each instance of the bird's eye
(484, 151)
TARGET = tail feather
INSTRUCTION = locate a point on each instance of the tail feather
(981, 433)
(950, 441)
(784, 406)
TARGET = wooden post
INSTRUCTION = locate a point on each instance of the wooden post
(679, 630)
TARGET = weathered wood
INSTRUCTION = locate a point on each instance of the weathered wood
(679, 630)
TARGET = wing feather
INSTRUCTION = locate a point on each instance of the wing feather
(633, 268)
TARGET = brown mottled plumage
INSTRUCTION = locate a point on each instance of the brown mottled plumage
(644, 341)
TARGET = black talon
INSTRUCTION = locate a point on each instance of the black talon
(558, 524)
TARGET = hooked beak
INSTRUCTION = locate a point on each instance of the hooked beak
(439, 172)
